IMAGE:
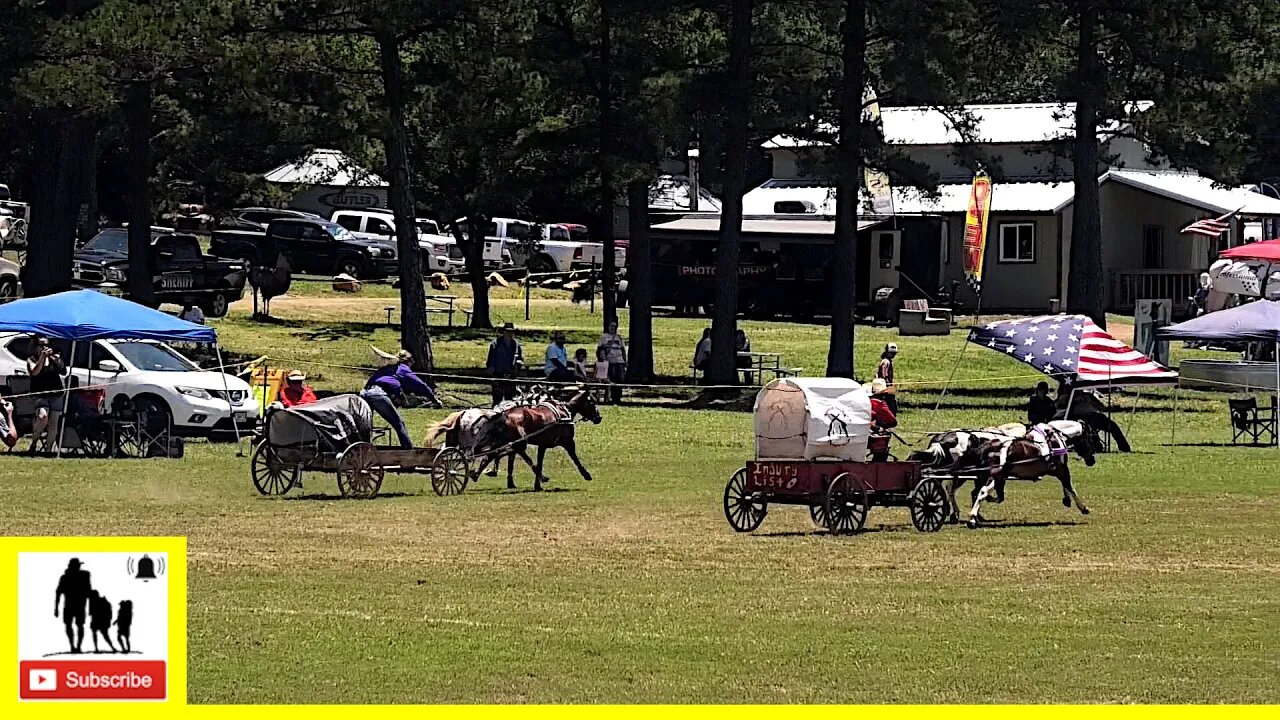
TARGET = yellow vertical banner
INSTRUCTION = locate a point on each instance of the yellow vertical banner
(876, 181)
(975, 229)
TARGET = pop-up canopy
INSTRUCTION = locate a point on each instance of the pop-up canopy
(806, 418)
(83, 315)
(1258, 320)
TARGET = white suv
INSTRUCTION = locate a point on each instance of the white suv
(152, 374)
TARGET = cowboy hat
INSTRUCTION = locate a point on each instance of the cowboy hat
(878, 386)
(382, 354)
(296, 376)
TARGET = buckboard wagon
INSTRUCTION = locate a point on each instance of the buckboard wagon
(337, 435)
(811, 449)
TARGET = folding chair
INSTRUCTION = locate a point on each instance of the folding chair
(1246, 421)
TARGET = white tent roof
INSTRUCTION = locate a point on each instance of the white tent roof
(807, 418)
(325, 167)
(1004, 123)
(952, 198)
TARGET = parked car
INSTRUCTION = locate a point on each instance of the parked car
(585, 252)
(380, 225)
(257, 218)
(10, 285)
(155, 376)
(183, 274)
(312, 246)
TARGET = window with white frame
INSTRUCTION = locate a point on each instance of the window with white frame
(1017, 242)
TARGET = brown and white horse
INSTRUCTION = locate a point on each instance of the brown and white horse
(1006, 459)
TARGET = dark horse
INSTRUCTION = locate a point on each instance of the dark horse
(546, 425)
(1021, 459)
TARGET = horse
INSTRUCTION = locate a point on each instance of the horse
(547, 425)
(1023, 459)
(464, 429)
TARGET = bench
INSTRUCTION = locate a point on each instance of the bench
(916, 318)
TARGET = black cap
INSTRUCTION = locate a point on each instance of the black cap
(508, 326)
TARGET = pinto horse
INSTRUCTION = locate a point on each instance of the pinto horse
(547, 425)
(1022, 459)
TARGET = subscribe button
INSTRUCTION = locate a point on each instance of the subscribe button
(92, 680)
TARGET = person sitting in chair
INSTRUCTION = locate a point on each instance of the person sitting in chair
(296, 391)
(1088, 408)
(882, 420)
(8, 430)
(46, 369)
(557, 367)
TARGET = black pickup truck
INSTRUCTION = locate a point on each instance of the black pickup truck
(312, 246)
(183, 274)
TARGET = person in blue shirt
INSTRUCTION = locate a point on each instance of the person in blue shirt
(557, 366)
(391, 382)
(504, 362)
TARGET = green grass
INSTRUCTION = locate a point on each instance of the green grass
(633, 588)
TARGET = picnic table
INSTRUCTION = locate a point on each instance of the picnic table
(445, 306)
(759, 363)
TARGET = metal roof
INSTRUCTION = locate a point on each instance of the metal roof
(671, 193)
(1194, 190)
(952, 198)
(1005, 123)
(325, 167)
(765, 226)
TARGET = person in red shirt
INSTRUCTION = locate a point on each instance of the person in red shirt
(295, 392)
(882, 419)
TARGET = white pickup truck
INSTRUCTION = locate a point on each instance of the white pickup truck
(564, 246)
(440, 252)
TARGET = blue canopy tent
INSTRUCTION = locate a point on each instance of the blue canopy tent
(88, 315)
(1257, 321)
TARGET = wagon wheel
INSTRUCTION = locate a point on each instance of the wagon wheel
(929, 506)
(818, 514)
(359, 471)
(450, 472)
(270, 475)
(846, 507)
(743, 510)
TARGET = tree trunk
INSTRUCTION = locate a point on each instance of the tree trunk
(42, 274)
(737, 138)
(605, 230)
(137, 117)
(640, 284)
(472, 245)
(853, 41)
(414, 333)
(87, 226)
(77, 141)
(1085, 293)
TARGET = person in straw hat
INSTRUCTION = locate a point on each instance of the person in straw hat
(295, 391)
(393, 382)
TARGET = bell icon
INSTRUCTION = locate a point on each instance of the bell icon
(146, 568)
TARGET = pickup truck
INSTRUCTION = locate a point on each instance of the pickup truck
(312, 246)
(585, 252)
(183, 274)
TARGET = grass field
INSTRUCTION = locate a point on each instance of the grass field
(633, 588)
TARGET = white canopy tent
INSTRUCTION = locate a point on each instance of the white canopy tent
(808, 418)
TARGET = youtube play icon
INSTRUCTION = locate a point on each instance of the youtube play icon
(93, 680)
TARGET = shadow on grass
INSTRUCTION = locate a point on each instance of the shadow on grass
(312, 497)
(988, 524)
(1218, 445)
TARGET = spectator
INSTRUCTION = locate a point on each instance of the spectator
(295, 392)
(505, 361)
(1088, 408)
(884, 371)
(702, 353)
(192, 313)
(8, 430)
(45, 367)
(1040, 407)
(394, 381)
(615, 355)
(557, 367)
(579, 364)
(742, 346)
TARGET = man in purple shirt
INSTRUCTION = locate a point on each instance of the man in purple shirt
(392, 382)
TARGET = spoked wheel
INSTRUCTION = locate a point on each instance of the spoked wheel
(818, 514)
(270, 475)
(450, 472)
(929, 506)
(744, 510)
(846, 506)
(359, 471)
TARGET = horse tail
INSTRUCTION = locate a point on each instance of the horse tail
(444, 426)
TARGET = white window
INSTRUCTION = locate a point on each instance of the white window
(1017, 242)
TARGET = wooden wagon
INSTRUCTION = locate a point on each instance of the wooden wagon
(812, 437)
(337, 435)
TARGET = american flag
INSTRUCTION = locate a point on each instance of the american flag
(1210, 227)
(1071, 348)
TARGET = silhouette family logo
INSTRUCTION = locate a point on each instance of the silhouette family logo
(105, 636)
